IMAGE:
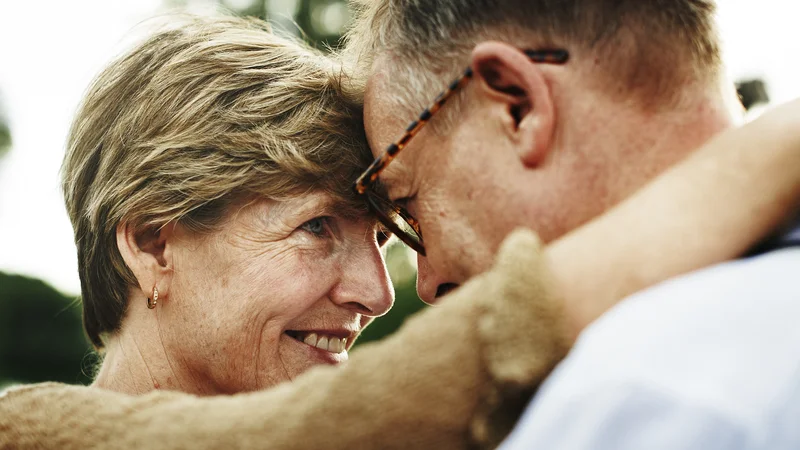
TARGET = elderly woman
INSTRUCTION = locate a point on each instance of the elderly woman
(208, 178)
(220, 248)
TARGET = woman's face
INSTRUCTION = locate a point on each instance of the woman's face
(280, 288)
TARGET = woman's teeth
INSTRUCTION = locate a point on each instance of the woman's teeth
(331, 344)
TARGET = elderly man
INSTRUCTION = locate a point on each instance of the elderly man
(566, 109)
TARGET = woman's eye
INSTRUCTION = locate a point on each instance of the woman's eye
(317, 226)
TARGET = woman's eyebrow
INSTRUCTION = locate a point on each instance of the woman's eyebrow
(314, 206)
(344, 208)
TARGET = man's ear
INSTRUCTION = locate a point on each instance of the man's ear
(505, 74)
(148, 253)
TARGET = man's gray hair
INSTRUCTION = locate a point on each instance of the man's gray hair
(645, 48)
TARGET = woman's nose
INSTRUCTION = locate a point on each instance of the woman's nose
(365, 286)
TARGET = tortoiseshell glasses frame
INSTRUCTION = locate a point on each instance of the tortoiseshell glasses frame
(393, 216)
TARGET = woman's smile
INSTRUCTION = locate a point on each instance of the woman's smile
(322, 346)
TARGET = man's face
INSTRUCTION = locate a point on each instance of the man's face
(456, 185)
(534, 145)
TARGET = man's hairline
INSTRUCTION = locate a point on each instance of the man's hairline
(519, 37)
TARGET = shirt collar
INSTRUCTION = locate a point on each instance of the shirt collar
(787, 236)
(793, 235)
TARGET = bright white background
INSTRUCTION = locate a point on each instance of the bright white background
(50, 50)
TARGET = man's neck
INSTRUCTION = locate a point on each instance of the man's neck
(660, 140)
(613, 148)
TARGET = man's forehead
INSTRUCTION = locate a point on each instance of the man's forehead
(385, 120)
(382, 118)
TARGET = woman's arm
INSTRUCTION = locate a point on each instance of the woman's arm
(455, 376)
(710, 208)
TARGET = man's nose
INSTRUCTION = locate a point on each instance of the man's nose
(365, 286)
(430, 287)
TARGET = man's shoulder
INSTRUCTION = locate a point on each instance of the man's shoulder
(726, 335)
(718, 299)
(710, 360)
(760, 284)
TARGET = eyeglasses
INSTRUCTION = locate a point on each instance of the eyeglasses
(393, 216)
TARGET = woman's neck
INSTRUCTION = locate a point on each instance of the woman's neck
(136, 363)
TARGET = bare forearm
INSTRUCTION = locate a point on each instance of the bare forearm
(710, 208)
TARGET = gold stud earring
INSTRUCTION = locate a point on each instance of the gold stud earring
(151, 304)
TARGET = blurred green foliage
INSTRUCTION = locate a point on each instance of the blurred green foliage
(320, 22)
(5, 138)
(5, 131)
(41, 338)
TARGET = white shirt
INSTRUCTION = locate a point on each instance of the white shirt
(706, 361)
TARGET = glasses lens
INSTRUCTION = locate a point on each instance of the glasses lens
(399, 222)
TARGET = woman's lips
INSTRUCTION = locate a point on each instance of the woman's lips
(327, 342)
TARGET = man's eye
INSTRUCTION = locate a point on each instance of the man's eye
(407, 204)
(403, 202)
(383, 235)
(317, 226)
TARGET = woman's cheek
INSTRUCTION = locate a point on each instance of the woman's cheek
(307, 279)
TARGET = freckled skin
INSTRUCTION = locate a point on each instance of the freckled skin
(235, 292)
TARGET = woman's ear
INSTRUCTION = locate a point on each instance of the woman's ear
(148, 253)
(505, 74)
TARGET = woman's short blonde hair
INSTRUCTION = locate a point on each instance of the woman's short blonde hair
(198, 116)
